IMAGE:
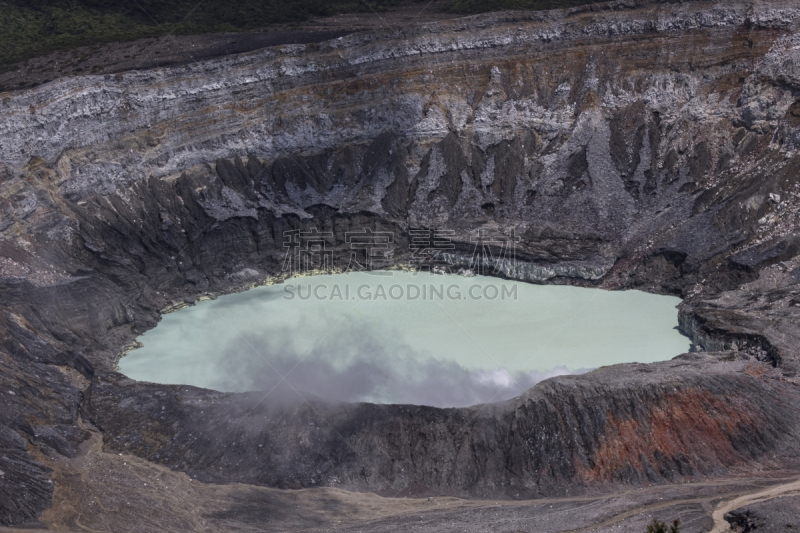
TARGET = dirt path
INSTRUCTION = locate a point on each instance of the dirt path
(721, 525)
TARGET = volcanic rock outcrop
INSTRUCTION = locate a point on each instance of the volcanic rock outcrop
(636, 144)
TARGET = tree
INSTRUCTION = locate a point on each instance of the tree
(661, 527)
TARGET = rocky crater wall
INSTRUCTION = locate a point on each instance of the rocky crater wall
(639, 145)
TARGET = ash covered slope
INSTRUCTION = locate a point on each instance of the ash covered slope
(642, 145)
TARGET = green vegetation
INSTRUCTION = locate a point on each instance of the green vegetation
(30, 28)
(661, 527)
(34, 27)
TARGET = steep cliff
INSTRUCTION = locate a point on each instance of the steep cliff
(645, 145)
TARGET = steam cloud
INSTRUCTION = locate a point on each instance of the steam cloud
(358, 364)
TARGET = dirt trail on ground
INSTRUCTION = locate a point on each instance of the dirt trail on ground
(721, 525)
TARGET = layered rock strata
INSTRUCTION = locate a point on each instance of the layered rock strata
(646, 145)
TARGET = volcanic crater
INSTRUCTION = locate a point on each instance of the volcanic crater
(630, 145)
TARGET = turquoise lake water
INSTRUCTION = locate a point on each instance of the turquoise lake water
(401, 337)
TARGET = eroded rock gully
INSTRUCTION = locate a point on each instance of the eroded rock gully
(639, 145)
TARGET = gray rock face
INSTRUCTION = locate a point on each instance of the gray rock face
(613, 426)
(781, 514)
(638, 145)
